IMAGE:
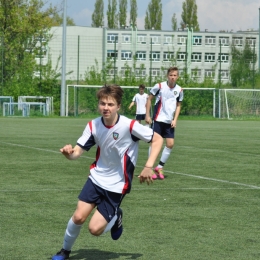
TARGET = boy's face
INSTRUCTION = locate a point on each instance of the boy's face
(172, 77)
(108, 108)
(141, 91)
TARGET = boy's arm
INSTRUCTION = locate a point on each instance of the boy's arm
(148, 119)
(71, 153)
(147, 172)
(176, 114)
(130, 106)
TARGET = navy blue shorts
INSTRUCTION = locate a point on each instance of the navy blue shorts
(106, 201)
(163, 129)
(140, 116)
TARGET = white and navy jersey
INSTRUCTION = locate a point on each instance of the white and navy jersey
(117, 150)
(166, 101)
(140, 101)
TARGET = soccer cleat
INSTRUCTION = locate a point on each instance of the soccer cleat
(62, 255)
(159, 172)
(154, 176)
(117, 229)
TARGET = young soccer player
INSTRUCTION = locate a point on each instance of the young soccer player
(116, 138)
(167, 108)
(139, 100)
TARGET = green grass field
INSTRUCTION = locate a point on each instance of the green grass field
(208, 206)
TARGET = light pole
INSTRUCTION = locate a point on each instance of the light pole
(63, 72)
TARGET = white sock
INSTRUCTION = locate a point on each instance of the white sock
(71, 234)
(165, 155)
(110, 224)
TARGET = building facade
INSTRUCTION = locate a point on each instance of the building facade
(148, 52)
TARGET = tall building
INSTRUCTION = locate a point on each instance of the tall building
(149, 52)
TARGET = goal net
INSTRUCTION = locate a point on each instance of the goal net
(38, 99)
(17, 109)
(240, 103)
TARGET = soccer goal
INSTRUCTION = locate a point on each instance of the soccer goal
(5, 99)
(81, 99)
(240, 103)
(38, 99)
(17, 109)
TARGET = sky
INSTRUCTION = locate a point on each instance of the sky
(213, 15)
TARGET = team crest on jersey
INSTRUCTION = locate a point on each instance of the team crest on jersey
(115, 135)
(175, 92)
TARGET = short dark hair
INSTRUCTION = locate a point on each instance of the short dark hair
(142, 86)
(172, 69)
(114, 91)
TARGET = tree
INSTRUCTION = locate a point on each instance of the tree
(55, 14)
(112, 17)
(242, 69)
(24, 27)
(122, 12)
(98, 14)
(153, 18)
(189, 15)
(174, 22)
(133, 12)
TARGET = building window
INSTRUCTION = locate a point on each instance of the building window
(224, 41)
(195, 73)
(224, 74)
(196, 57)
(155, 56)
(181, 40)
(155, 72)
(112, 72)
(168, 39)
(181, 56)
(237, 41)
(111, 54)
(210, 40)
(140, 72)
(197, 40)
(140, 55)
(251, 41)
(210, 57)
(155, 39)
(112, 37)
(168, 56)
(126, 38)
(224, 57)
(209, 73)
(141, 38)
(126, 55)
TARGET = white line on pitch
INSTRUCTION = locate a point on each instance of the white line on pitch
(178, 173)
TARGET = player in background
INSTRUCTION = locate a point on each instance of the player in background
(116, 138)
(167, 108)
(139, 100)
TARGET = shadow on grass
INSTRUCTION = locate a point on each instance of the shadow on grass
(93, 254)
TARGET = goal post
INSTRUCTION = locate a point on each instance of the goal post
(240, 103)
(24, 109)
(81, 99)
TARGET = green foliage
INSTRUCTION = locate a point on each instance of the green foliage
(98, 14)
(112, 16)
(174, 22)
(153, 17)
(122, 12)
(242, 69)
(189, 15)
(133, 12)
